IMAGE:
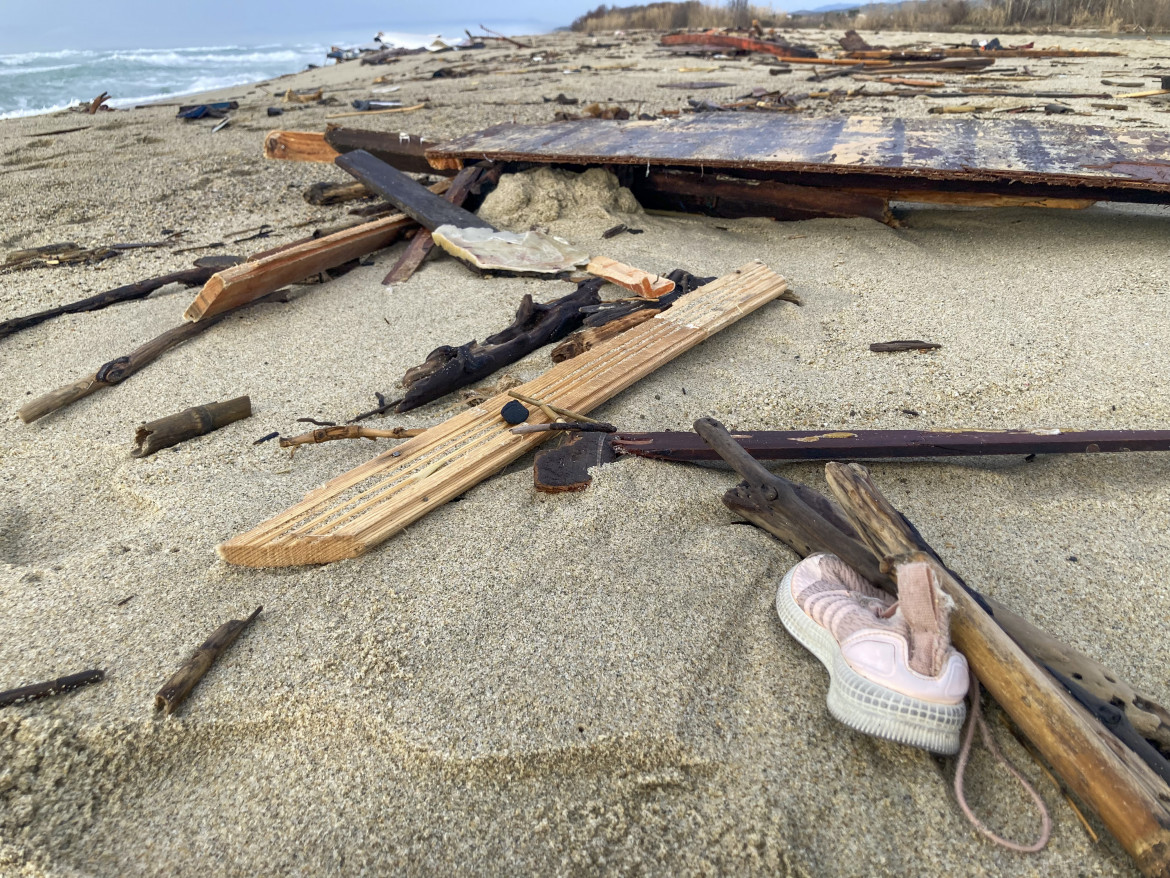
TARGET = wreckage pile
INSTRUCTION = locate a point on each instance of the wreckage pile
(618, 323)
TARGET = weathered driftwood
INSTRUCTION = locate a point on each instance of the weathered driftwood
(644, 284)
(427, 209)
(67, 253)
(201, 273)
(866, 534)
(887, 347)
(348, 431)
(359, 509)
(120, 368)
(566, 467)
(323, 194)
(448, 368)
(171, 695)
(67, 683)
(462, 186)
(585, 339)
(196, 421)
(291, 264)
(872, 444)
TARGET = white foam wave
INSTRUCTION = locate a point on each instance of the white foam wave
(36, 111)
(26, 71)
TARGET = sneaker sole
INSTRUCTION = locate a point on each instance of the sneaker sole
(864, 705)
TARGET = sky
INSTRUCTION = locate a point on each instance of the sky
(133, 24)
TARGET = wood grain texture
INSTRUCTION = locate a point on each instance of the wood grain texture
(358, 510)
(298, 146)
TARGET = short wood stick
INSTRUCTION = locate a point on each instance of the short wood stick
(171, 695)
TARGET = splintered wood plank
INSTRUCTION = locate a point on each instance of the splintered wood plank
(298, 146)
(1009, 157)
(286, 265)
(358, 510)
(646, 285)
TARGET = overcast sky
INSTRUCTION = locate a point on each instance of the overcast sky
(124, 24)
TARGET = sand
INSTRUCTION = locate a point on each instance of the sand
(523, 682)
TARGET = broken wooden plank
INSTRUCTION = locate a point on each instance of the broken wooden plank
(196, 421)
(406, 152)
(427, 209)
(794, 54)
(872, 444)
(68, 683)
(1007, 157)
(566, 468)
(201, 273)
(298, 146)
(644, 284)
(291, 264)
(323, 194)
(586, 339)
(360, 509)
(180, 684)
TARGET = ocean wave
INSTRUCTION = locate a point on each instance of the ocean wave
(21, 112)
(27, 71)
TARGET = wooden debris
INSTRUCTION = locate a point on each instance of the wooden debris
(589, 426)
(648, 286)
(196, 421)
(406, 152)
(448, 368)
(875, 444)
(67, 253)
(67, 683)
(322, 194)
(587, 339)
(298, 146)
(867, 533)
(171, 695)
(303, 97)
(566, 467)
(882, 347)
(264, 273)
(201, 273)
(119, 369)
(348, 431)
(360, 509)
(427, 209)
(98, 103)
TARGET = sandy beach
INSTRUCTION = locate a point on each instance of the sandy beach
(524, 683)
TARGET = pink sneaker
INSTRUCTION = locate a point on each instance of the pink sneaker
(892, 670)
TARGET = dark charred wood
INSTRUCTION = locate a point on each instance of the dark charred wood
(886, 347)
(204, 269)
(196, 421)
(53, 687)
(448, 368)
(566, 467)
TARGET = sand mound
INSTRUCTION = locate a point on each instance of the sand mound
(545, 195)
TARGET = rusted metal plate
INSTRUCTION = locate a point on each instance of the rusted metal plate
(1004, 156)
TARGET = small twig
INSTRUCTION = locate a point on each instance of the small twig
(175, 689)
(349, 431)
(316, 423)
(53, 687)
(566, 413)
(593, 427)
(382, 408)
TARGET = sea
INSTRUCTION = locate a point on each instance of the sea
(41, 82)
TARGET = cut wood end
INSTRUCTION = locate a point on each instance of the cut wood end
(204, 303)
(298, 552)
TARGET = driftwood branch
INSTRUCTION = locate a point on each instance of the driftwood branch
(203, 270)
(349, 431)
(196, 421)
(171, 695)
(52, 687)
(448, 368)
(121, 368)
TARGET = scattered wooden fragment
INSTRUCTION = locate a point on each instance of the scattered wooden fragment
(120, 368)
(171, 695)
(67, 253)
(201, 273)
(644, 284)
(57, 131)
(406, 152)
(376, 112)
(448, 368)
(1151, 93)
(427, 209)
(322, 194)
(866, 533)
(305, 96)
(566, 468)
(292, 263)
(877, 444)
(298, 146)
(67, 683)
(589, 426)
(884, 347)
(349, 431)
(362, 508)
(98, 103)
(196, 421)
(587, 339)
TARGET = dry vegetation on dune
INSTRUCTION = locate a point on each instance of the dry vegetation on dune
(1118, 16)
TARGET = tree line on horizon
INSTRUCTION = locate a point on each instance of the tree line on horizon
(1006, 16)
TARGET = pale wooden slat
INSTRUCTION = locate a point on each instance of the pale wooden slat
(359, 509)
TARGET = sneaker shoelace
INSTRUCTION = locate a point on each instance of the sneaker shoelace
(975, 718)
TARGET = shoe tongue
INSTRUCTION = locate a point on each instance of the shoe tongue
(919, 604)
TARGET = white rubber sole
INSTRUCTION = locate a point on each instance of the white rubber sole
(864, 705)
